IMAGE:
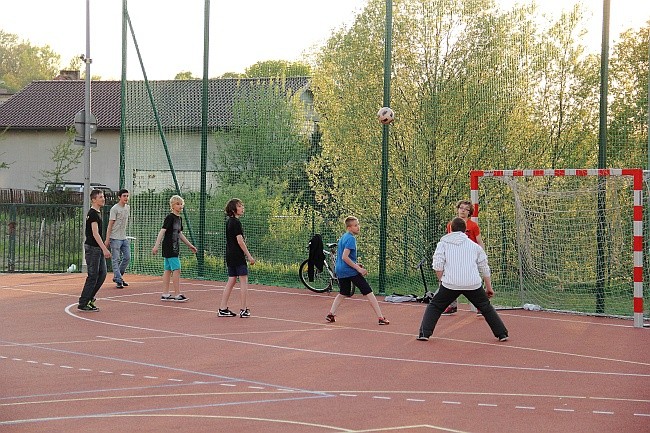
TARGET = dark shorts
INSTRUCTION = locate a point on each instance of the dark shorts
(237, 271)
(345, 285)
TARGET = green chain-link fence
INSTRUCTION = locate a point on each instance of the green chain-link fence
(472, 86)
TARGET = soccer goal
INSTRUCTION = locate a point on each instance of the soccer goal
(566, 240)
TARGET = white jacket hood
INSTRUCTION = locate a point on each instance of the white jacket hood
(454, 238)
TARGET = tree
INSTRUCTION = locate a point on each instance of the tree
(563, 113)
(66, 157)
(628, 127)
(266, 144)
(3, 164)
(185, 75)
(278, 68)
(21, 62)
(472, 87)
(232, 75)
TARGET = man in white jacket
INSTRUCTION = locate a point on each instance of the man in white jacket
(460, 264)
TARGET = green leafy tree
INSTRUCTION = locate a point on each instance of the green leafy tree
(472, 88)
(66, 156)
(76, 64)
(563, 113)
(266, 144)
(21, 62)
(3, 164)
(628, 128)
(185, 75)
(232, 75)
(278, 68)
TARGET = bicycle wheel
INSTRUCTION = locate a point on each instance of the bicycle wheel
(322, 280)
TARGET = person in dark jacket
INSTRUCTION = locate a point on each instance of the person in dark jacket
(316, 256)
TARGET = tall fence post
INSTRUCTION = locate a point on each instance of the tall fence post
(11, 260)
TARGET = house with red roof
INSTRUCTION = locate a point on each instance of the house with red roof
(165, 114)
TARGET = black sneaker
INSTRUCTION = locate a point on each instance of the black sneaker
(421, 337)
(125, 284)
(226, 313)
(119, 285)
(180, 298)
(503, 337)
(92, 303)
(88, 307)
(383, 321)
(244, 313)
(331, 318)
(167, 297)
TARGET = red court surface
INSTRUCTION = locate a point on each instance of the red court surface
(144, 365)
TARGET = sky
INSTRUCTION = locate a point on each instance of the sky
(242, 32)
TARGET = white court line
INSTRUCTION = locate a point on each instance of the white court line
(310, 393)
(68, 310)
(505, 347)
(217, 287)
(407, 360)
(120, 339)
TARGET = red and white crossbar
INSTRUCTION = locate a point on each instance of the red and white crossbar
(637, 177)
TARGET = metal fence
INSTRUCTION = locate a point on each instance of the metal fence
(40, 237)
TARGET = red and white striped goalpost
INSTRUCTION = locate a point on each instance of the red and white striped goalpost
(637, 177)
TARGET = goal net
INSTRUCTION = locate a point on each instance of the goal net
(566, 240)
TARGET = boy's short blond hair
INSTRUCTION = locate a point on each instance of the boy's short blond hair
(175, 199)
(349, 220)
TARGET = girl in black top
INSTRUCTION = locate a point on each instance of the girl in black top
(236, 256)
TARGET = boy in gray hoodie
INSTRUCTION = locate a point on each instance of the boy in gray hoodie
(459, 264)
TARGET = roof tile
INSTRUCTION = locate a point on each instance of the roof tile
(53, 104)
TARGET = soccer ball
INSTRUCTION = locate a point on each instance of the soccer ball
(385, 115)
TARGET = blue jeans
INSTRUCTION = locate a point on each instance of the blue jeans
(96, 264)
(120, 257)
(444, 297)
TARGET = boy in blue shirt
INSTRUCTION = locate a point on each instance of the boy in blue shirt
(350, 272)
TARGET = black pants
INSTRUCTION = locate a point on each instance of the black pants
(444, 297)
(96, 264)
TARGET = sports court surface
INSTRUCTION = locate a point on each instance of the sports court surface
(144, 365)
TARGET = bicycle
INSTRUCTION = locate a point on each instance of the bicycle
(323, 281)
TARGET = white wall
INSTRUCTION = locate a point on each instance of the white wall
(29, 152)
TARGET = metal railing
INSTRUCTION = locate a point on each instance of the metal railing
(40, 237)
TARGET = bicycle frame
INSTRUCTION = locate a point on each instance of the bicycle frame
(325, 280)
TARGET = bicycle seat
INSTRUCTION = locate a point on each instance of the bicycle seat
(330, 246)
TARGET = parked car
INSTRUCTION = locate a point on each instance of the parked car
(74, 187)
